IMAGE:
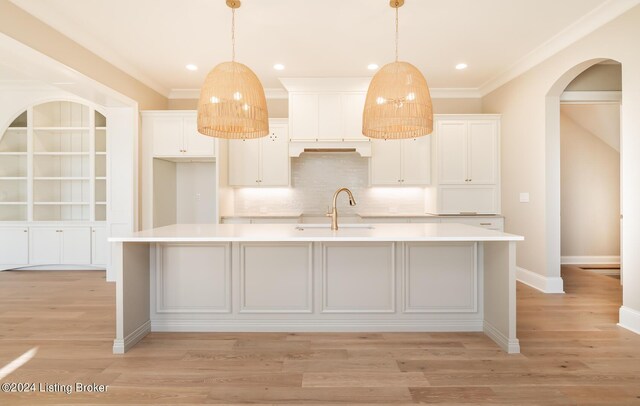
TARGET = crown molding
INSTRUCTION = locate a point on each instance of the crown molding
(270, 93)
(591, 21)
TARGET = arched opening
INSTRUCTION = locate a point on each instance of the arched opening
(553, 202)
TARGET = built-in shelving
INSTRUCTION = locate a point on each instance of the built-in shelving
(53, 164)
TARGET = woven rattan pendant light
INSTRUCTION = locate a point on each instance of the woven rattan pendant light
(232, 102)
(398, 103)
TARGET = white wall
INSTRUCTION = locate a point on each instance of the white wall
(590, 190)
(530, 148)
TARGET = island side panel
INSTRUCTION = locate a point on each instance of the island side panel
(500, 294)
(132, 296)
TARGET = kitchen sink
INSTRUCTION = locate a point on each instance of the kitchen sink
(302, 227)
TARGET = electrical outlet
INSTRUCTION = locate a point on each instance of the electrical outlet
(524, 197)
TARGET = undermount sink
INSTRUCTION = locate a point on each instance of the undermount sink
(303, 227)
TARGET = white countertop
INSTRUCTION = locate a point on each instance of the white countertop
(316, 232)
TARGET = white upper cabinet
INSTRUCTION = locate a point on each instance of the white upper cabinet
(353, 109)
(303, 116)
(401, 162)
(467, 152)
(326, 116)
(175, 134)
(262, 161)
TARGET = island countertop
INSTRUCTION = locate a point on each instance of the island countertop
(316, 232)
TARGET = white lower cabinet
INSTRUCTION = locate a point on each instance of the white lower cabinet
(60, 246)
(14, 246)
(99, 245)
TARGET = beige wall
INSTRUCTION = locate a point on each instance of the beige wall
(530, 149)
(23, 27)
(279, 108)
(590, 190)
(604, 77)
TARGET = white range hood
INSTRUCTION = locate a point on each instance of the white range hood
(325, 115)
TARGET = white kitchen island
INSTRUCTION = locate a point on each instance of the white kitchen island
(283, 277)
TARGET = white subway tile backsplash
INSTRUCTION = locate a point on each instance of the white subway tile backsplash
(314, 179)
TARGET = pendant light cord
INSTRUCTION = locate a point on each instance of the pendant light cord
(397, 32)
(233, 35)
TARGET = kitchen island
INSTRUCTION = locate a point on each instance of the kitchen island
(285, 277)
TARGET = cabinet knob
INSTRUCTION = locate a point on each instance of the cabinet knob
(24, 231)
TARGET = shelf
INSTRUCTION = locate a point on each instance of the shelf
(101, 128)
(17, 129)
(101, 153)
(60, 178)
(101, 178)
(13, 153)
(61, 203)
(13, 178)
(61, 128)
(13, 203)
(62, 153)
(101, 203)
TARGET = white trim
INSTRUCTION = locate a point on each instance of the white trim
(279, 93)
(629, 319)
(122, 346)
(576, 96)
(591, 21)
(454, 93)
(350, 325)
(54, 267)
(511, 346)
(544, 284)
(590, 260)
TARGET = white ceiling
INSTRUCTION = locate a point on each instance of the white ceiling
(153, 40)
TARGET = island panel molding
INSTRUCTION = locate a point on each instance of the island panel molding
(276, 277)
(445, 281)
(358, 277)
(351, 279)
(193, 280)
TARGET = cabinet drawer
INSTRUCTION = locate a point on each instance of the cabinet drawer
(491, 223)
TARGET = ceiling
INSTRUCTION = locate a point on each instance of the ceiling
(153, 40)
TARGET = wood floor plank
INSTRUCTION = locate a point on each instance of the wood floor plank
(573, 353)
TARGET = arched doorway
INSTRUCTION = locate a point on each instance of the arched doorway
(553, 178)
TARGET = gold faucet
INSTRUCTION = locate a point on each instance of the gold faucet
(334, 212)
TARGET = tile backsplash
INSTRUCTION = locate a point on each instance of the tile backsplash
(314, 179)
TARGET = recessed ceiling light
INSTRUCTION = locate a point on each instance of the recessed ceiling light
(461, 66)
(372, 66)
(191, 67)
(278, 66)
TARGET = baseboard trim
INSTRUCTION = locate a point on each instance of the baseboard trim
(630, 319)
(315, 326)
(122, 346)
(544, 284)
(590, 260)
(511, 346)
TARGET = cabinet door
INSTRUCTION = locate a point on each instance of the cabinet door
(416, 161)
(76, 246)
(304, 117)
(44, 245)
(353, 110)
(274, 158)
(99, 246)
(330, 119)
(167, 135)
(483, 152)
(385, 162)
(452, 152)
(196, 144)
(14, 246)
(244, 162)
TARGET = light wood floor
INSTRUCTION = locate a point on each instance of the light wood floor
(572, 353)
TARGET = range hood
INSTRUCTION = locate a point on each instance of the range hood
(360, 147)
(325, 115)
